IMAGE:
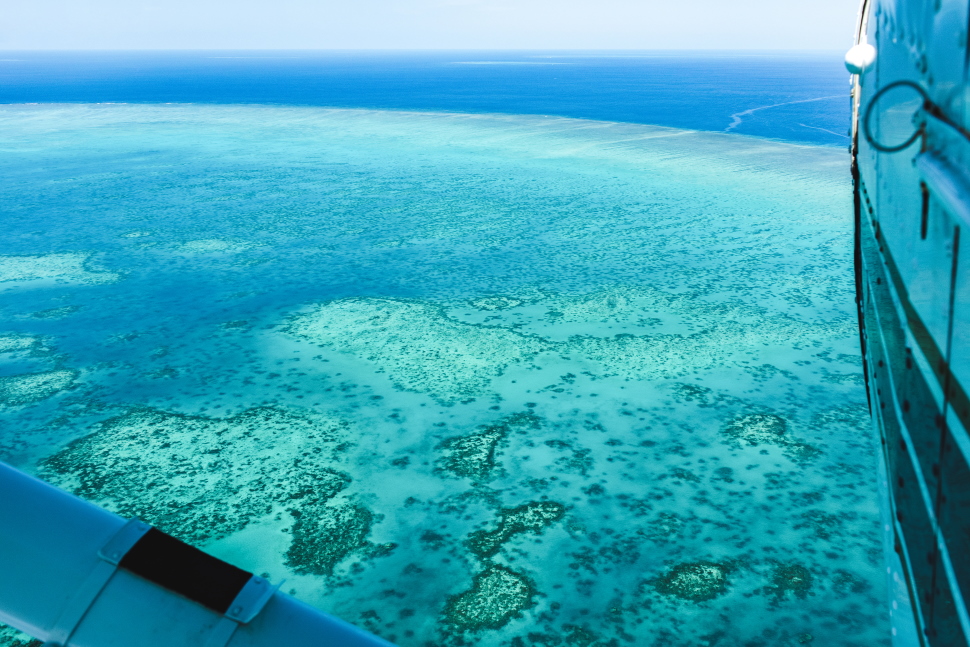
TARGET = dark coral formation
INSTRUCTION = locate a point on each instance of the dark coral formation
(758, 429)
(578, 636)
(495, 303)
(578, 460)
(692, 393)
(799, 452)
(824, 526)
(474, 456)
(31, 387)
(695, 581)
(202, 478)
(664, 527)
(531, 517)
(324, 535)
(790, 578)
(755, 429)
(10, 637)
(496, 596)
(702, 396)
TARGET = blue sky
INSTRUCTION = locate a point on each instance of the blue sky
(427, 24)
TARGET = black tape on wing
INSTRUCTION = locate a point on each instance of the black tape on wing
(178, 567)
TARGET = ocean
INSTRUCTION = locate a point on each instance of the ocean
(478, 348)
(798, 97)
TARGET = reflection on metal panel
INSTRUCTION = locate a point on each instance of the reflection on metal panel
(960, 340)
(911, 166)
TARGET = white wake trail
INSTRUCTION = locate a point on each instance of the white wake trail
(737, 116)
(825, 130)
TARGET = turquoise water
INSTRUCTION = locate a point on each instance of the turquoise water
(459, 379)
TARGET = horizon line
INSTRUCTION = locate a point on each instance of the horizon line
(412, 49)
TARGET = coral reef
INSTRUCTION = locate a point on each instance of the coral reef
(756, 429)
(10, 637)
(24, 389)
(202, 478)
(531, 517)
(14, 343)
(60, 268)
(473, 456)
(695, 581)
(404, 358)
(495, 303)
(323, 535)
(664, 527)
(790, 578)
(497, 595)
(404, 338)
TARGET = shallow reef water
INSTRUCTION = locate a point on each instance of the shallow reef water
(459, 379)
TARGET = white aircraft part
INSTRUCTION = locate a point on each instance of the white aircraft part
(860, 58)
(62, 583)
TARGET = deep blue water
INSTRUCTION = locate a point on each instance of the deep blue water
(696, 90)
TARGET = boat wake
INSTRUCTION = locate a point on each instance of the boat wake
(824, 130)
(737, 117)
